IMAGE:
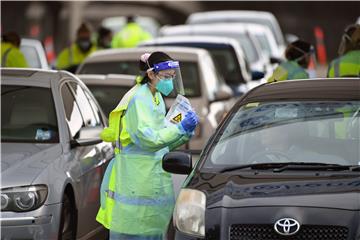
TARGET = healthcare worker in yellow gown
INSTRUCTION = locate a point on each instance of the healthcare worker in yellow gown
(137, 196)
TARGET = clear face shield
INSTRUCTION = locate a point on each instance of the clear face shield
(170, 80)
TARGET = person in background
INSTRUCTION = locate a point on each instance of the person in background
(137, 196)
(298, 56)
(71, 57)
(104, 38)
(131, 35)
(348, 64)
(11, 56)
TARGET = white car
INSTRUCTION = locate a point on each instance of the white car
(257, 60)
(208, 93)
(241, 16)
(226, 52)
(34, 53)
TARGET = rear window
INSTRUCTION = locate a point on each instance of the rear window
(108, 96)
(28, 115)
(189, 72)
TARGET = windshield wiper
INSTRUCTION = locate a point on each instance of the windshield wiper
(312, 166)
(253, 166)
(281, 166)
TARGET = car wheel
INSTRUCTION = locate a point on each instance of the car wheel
(67, 230)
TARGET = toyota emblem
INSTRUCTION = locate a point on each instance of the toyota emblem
(287, 226)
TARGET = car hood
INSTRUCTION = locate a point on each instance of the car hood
(21, 163)
(331, 191)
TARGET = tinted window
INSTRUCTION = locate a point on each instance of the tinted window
(85, 107)
(325, 132)
(28, 114)
(95, 108)
(189, 72)
(108, 96)
(72, 112)
(118, 67)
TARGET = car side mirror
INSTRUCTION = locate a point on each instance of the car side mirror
(177, 162)
(84, 142)
(275, 60)
(257, 75)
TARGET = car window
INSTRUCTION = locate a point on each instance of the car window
(227, 65)
(32, 56)
(95, 109)
(73, 116)
(248, 47)
(116, 67)
(264, 43)
(189, 72)
(85, 108)
(28, 115)
(326, 132)
(108, 96)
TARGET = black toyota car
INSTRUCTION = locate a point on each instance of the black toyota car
(284, 164)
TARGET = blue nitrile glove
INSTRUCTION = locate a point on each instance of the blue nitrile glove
(190, 121)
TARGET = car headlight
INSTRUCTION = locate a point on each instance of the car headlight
(23, 199)
(189, 213)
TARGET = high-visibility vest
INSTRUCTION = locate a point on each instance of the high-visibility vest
(287, 71)
(72, 56)
(130, 36)
(346, 66)
(11, 56)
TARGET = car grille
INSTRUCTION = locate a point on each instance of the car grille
(306, 232)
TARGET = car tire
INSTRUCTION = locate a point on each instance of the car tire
(67, 229)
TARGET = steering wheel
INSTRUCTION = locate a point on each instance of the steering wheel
(266, 154)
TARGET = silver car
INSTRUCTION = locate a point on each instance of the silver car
(52, 160)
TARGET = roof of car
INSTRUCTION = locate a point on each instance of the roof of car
(306, 89)
(109, 79)
(35, 76)
(111, 54)
(190, 39)
(228, 14)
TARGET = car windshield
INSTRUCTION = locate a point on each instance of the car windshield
(28, 115)
(108, 96)
(275, 132)
(248, 48)
(189, 72)
(264, 44)
(31, 55)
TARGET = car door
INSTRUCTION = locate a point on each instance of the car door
(83, 124)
